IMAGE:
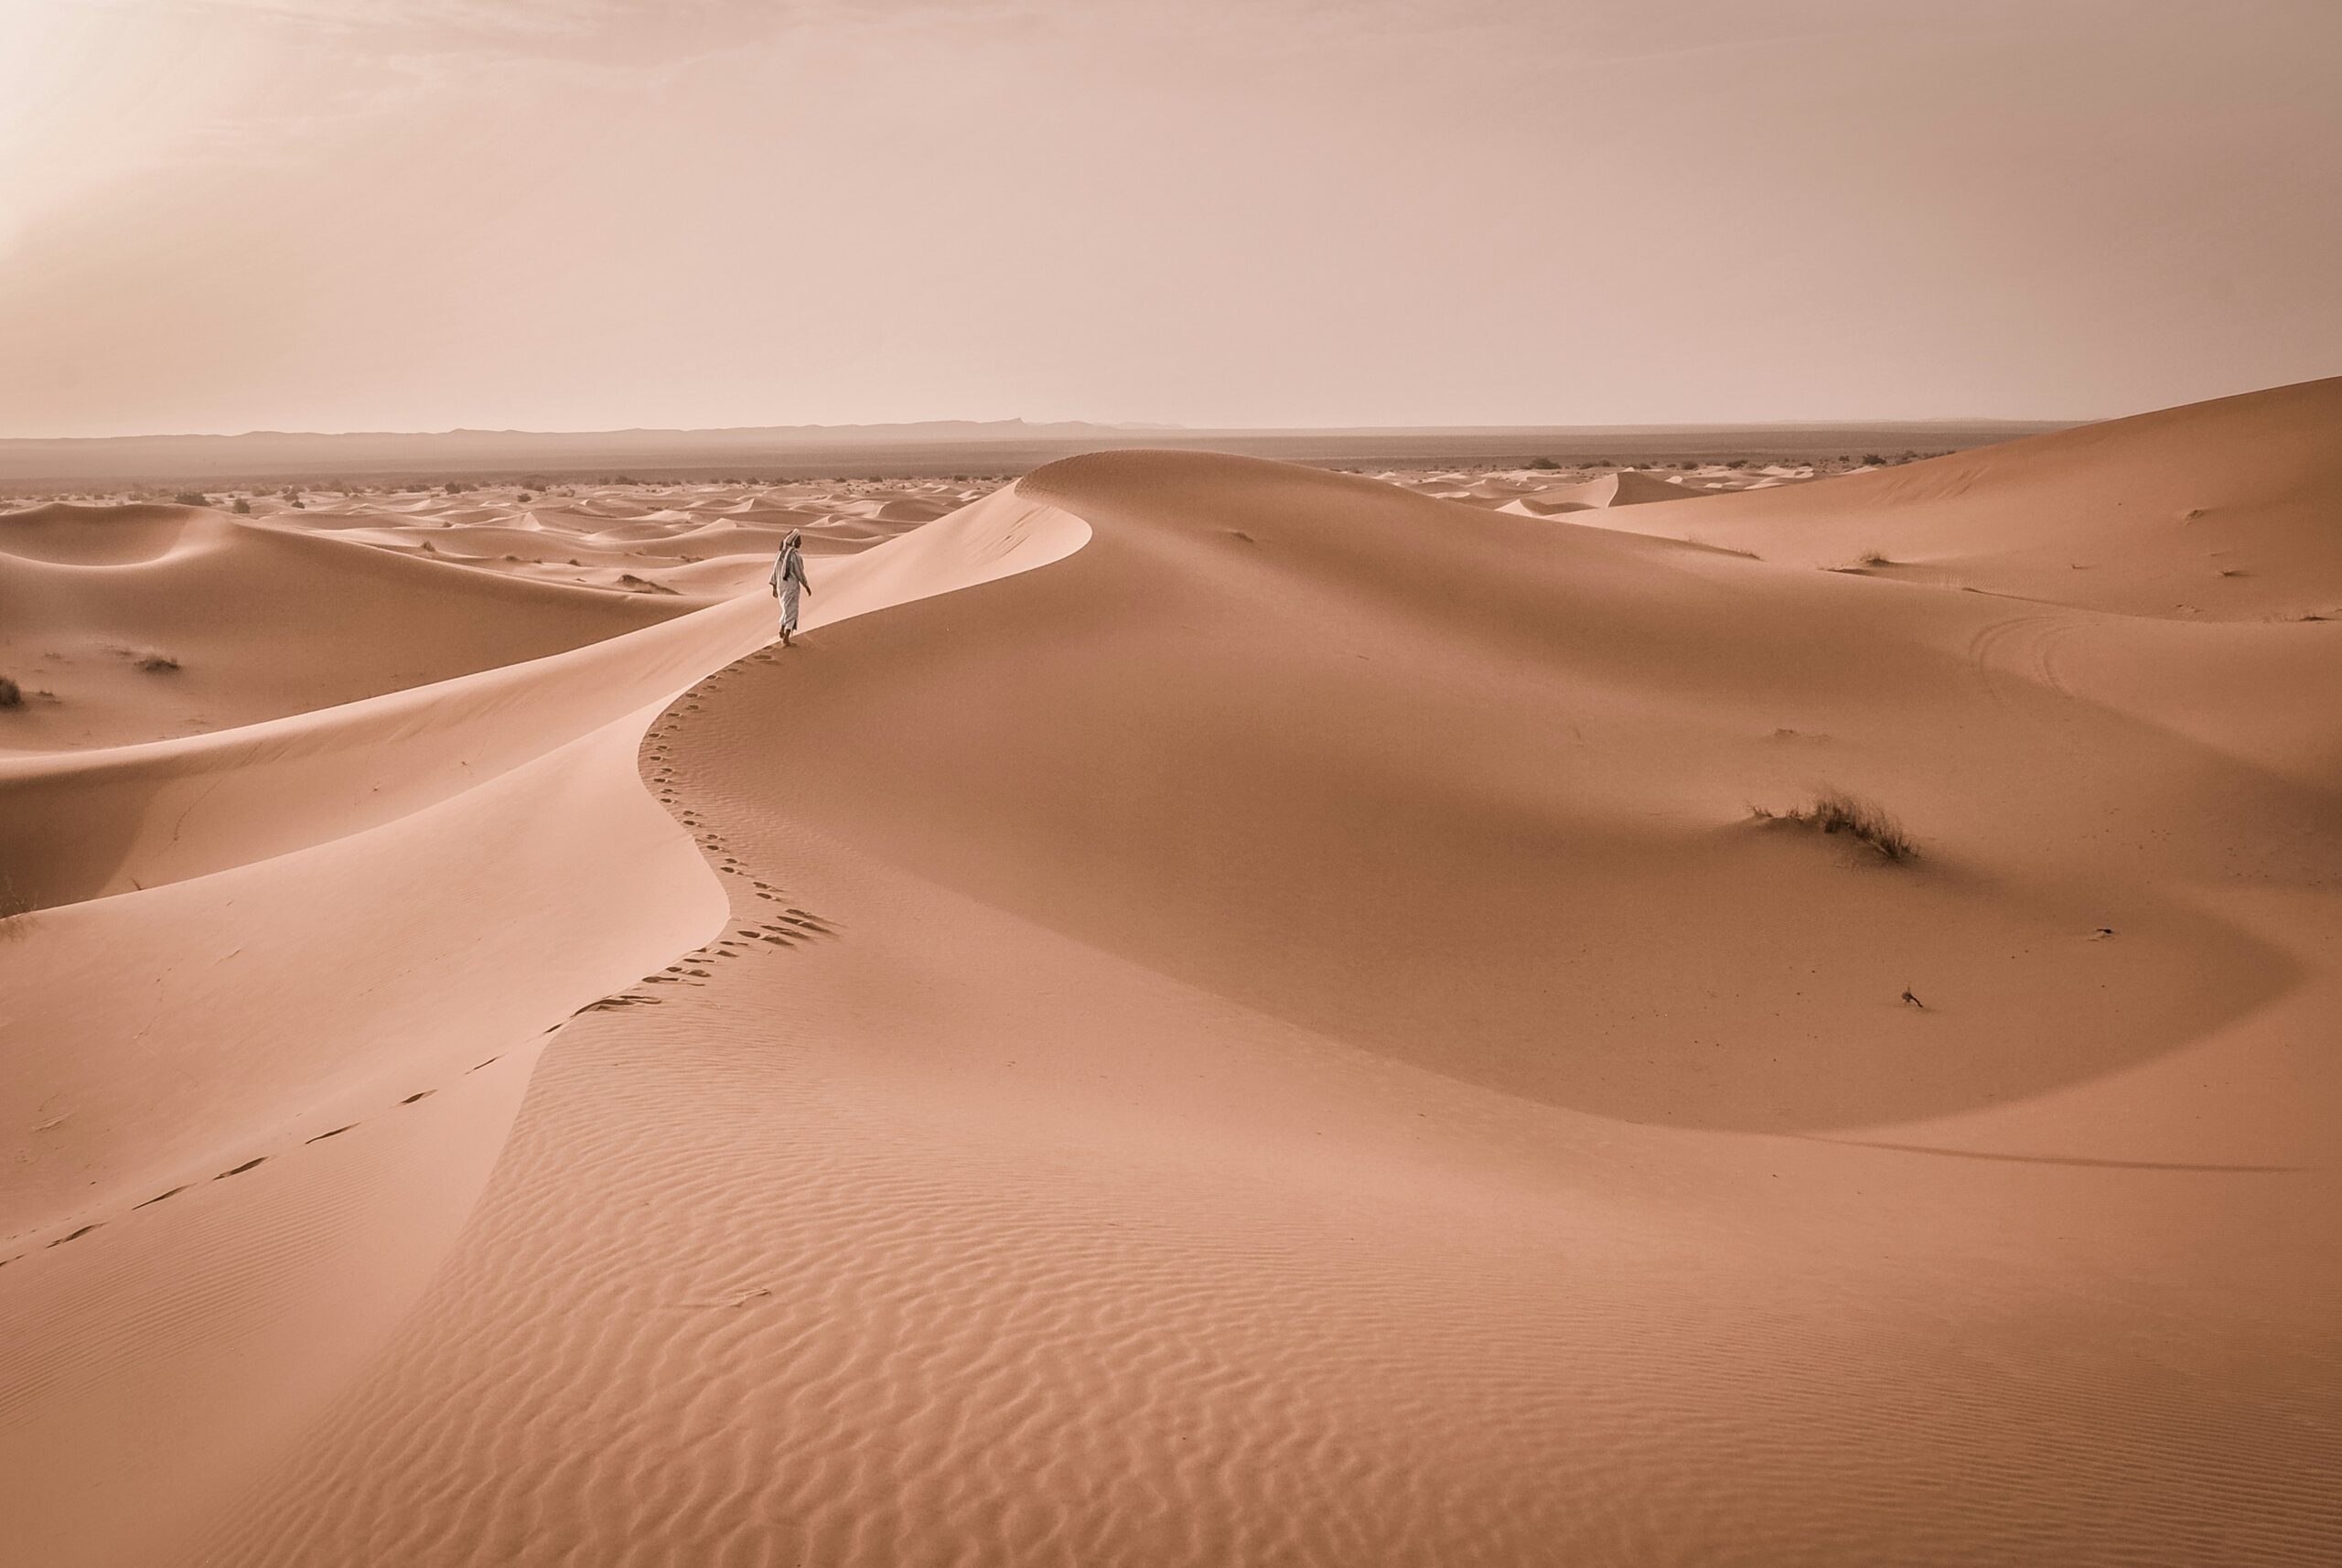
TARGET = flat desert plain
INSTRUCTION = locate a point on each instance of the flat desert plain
(1206, 1013)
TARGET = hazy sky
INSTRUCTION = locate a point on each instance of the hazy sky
(219, 215)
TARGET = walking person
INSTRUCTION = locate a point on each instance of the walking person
(789, 581)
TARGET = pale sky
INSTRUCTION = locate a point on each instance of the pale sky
(220, 215)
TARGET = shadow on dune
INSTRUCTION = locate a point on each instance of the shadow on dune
(1458, 788)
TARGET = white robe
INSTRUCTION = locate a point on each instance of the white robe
(788, 577)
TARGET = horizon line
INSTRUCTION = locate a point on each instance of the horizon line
(1136, 427)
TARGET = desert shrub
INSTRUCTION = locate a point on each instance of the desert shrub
(153, 660)
(1541, 462)
(1872, 558)
(1865, 821)
(11, 694)
(191, 498)
(242, 507)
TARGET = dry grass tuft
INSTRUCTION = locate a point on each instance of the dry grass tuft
(1865, 821)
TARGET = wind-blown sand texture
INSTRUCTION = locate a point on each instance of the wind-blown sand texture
(1208, 1013)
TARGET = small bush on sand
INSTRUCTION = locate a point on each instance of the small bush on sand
(1865, 821)
(11, 694)
(1541, 464)
(242, 507)
(191, 498)
(1872, 558)
(153, 660)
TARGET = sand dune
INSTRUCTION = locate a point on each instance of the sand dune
(212, 605)
(1628, 486)
(1226, 1013)
(694, 542)
(2221, 510)
(253, 945)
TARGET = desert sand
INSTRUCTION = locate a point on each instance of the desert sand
(1207, 1013)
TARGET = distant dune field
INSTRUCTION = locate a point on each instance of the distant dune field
(1209, 1012)
(936, 449)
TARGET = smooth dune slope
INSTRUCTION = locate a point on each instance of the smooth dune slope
(312, 927)
(277, 1001)
(2217, 510)
(1276, 1038)
(236, 622)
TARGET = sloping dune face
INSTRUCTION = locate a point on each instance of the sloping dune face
(273, 992)
(1277, 1038)
(64, 535)
(139, 623)
(248, 942)
(1473, 791)
(2222, 510)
